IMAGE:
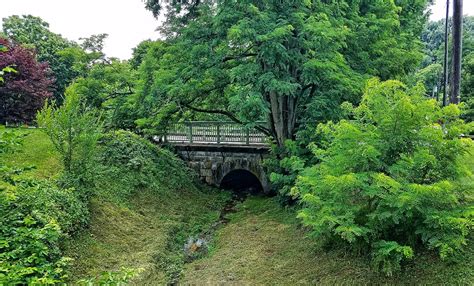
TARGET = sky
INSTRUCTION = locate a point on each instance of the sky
(126, 21)
(438, 10)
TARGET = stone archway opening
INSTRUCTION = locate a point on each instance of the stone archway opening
(241, 180)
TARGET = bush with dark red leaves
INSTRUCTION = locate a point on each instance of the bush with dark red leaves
(22, 93)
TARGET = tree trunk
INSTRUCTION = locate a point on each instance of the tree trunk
(457, 51)
(282, 117)
(445, 73)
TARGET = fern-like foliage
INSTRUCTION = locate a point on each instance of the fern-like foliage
(389, 181)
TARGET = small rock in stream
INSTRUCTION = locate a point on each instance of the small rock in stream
(193, 248)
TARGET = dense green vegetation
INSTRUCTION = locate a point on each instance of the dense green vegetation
(431, 70)
(372, 176)
(389, 180)
(264, 244)
(35, 215)
(143, 197)
(277, 61)
(263, 241)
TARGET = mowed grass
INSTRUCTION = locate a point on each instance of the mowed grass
(264, 245)
(37, 151)
(147, 235)
(141, 233)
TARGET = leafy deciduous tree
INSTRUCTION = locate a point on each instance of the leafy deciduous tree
(34, 33)
(109, 86)
(282, 61)
(74, 130)
(433, 40)
(25, 90)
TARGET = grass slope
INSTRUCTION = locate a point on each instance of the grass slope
(263, 245)
(146, 206)
(145, 232)
(37, 150)
(148, 235)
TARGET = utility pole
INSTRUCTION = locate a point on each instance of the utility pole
(457, 51)
(445, 73)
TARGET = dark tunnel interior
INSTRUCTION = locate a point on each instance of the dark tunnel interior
(241, 181)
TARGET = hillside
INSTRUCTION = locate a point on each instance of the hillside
(261, 244)
(264, 245)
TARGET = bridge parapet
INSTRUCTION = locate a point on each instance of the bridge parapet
(215, 149)
(215, 132)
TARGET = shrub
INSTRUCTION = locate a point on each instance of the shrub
(129, 162)
(9, 141)
(34, 216)
(74, 130)
(388, 181)
(284, 165)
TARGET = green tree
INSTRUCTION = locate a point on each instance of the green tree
(391, 181)
(467, 83)
(109, 87)
(177, 13)
(139, 53)
(34, 33)
(94, 45)
(74, 129)
(433, 39)
(282, 61)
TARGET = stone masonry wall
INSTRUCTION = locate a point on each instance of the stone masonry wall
(213, 166)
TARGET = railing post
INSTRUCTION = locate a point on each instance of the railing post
(247, 136)
(190, 132)
(218, 133)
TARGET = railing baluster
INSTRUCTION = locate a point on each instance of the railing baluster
(213, 132)
(190, 132)
(247, 136)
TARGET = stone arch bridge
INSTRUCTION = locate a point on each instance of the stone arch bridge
(224, 154)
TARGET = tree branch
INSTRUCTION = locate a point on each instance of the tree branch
(214, 111)
(228, 58)
(228, 114)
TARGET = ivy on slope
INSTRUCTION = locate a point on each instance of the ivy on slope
(130, 163)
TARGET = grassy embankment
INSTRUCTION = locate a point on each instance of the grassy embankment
(36, 151)
(262, 244)
(145, 232)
